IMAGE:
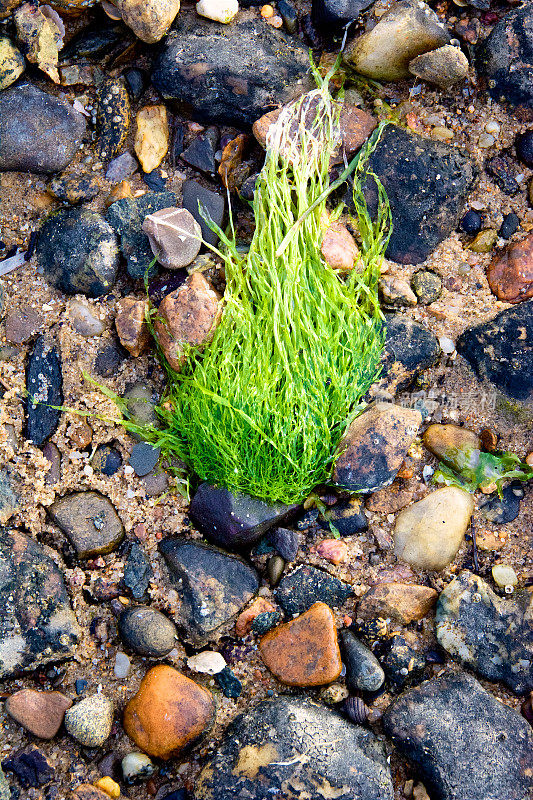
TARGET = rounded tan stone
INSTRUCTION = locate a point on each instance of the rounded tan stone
(41, 713)
(304, 651)
(401, 602)
(168, 712)
(457, 447)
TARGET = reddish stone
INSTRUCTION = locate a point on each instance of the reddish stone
(305, 651)
(510, 275)
(41, 713)
(401, 602)
(131, 326)
(246, 618)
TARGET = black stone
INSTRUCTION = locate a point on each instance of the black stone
(78, 252)
(427, 183)
(500, 510)
(112, 117)
(38, 132)
(265, 621)
(247, 190)
(201, 153)
(80, 685)
(126, 217)
(229, 683)
(30, 767)
(304, 586)
(524, 148)
(401, 662)
(336, 13)
(505, 58)
(510, 225)
(462, 742)
(202, 202)
(409, 349)
(106, 460)
(347, 518)
(143, 458)
(137, 571)
(471, 222)
(492, 635)
(503, 171)
(73, 190)
(285, 542)
(288, 14)
(109, 359)
(315, 753)
(234, 520)
(154, 180)
(44, 384)
(213, 586)
(147, 631)
(247, 68)
(137, 81)
(37, 624)
(501, 351)
(97, 41)
(363, 671)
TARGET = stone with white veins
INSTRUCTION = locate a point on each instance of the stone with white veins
(174, 235)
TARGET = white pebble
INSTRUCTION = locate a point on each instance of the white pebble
(218, 10)
(208, 661)
(137, 766)
(446, 345)
(485, 141)
(122, 666)
(493, 127)
(504, 575)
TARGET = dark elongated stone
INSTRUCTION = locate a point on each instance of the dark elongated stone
(44, 384)
(363, 672)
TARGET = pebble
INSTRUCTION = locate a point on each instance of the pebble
(510, 275)
(90, 720)
(447, 345)
(504, 58)
(265, 621)
(305, 585)
(168, 712)
(434, 726)
(147, 631)
(395, 292)
(457, 447)
(471, 222)
(504, 576)
(347, 516)
(22, 324)
(175, 236)
(194, 196)
(38, 133)
(484, 241)
(428, 534)
(510, 225)
(30, 767)
(121, 167)
(151, 136)
(112, 118)
(488, 633)
(504, 509)
(339, 249)
(86, 791)
(11, 63)
(363, 671)
(137, 571)
(374, 447)
(246, 618)
(90, 522)
(143, 458)
(78, 252)
(443, 66)
(524, 148)
(122, 666)
(333, 550)
(52, 454)
(73, 189)
(208, 661)
(250, 762)
(213, 585)
(141, 401)
(137, 767)
(402, 662)
(485, 141)
(130, 323)
(83, 319)
(427, 286)
(109, 786)
(41, 713)
(334, 694)
(44, 384)
(405, 31)
(229, 683)
(399, 602)
(106, 460)
(150, 20)
(233, 520)
(286, 542)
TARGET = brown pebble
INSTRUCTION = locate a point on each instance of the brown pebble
(41, 713)
(22, 324)
(339, 249)
(131, 325)
(246, 618)
(334, 550)
(118, 192)
(86, 791)
(510, 275)
(489, 439)
(304, 651)
(389, 500)
(168, 712)
(401, 602)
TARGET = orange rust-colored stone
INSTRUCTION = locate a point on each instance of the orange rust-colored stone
(187, 316)
(401, 602)
(304, 651)
(168, 712)
(246, 618)
(510, 275)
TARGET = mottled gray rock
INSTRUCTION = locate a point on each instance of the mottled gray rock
(492, 635)
(409, 350)
(213, 585)
(230, 73)
(363, 671)
(137, 571)
(44, 384)
(147, 631)
(294, 748)
(38, 132)
(90, 720)
(90, 522)
(463, 742)
(8, 499)
(5, 792)
(304, 586)
(37, 624)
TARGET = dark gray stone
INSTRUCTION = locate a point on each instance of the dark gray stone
(501, 351)
(232, 73)
(229, 683)
(505, 58)
(234, 520)
(109, 359)
(147, 631)
(403, 664)
(492, 635)
(409, 350)
(44, 384)
(200, 154)
(78, 252)
(265, 621)
(347, 518)
(307, 585)
(213, 585)
(143, 458)
(285, 542)
(126, 217)
(336, 13)
(427, 183)
(90, 522)
(294, 748)
(463, 742)
(504, 509)
(203, 204)
(30, 768)
(137, 571)
(9, 502)
(37, 624)
(107, 460)
(363, 671)
(38, 132)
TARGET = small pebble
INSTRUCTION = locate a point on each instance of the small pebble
(493, 127)
(137, 767)
(208, 661)
(143, 458)
(446, 345)
(275, 568)
(524, 147)
(122, 666)
(486, 140)
(229, 683)
(484, 241)
(504, 576)
(90, 720)
(109, 786)
(510, 224)
(218, 10)
(471, 222)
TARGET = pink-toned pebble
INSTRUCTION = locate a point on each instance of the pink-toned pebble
(334, 550)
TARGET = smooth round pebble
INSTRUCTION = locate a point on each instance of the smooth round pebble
(510, 224)
(447, 345)
(504, 575)
(147, 631)
(486, 140)
(83, 319)
(208, 661)
(493, 127)
(471, 222)
(218, 10)
(137, 767)
(90, 720)
(122, 666)
(106, 460)
(143, 458)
